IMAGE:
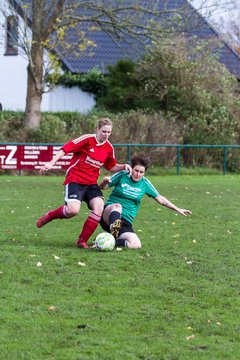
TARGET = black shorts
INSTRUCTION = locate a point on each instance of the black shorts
(75, 191)
(125, 227)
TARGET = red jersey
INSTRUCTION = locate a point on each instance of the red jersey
(88, 157)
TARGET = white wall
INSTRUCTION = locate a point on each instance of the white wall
(13, 84)
(68, 99)
(13, 74)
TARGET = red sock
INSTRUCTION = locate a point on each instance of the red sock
(58, 213)
(89, 227)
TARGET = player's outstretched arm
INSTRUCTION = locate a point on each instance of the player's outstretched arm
(49, 165)
(119, 167)
(165, 202)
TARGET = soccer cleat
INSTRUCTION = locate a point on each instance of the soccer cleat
(93, 245)
(82, 245)
(115, 228)
(43, 220)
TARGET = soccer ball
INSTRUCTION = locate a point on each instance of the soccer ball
(105, 242)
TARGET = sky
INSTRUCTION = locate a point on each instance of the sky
(218, 10)
(224, 15)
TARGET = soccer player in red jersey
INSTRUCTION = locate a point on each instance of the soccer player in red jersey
(90, 153)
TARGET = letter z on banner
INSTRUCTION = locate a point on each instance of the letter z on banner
(8, 157)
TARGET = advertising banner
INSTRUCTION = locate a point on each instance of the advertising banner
(30, 157)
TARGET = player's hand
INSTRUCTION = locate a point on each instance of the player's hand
(106, 180)
(104, 183)
(46, 167)
(128, 168)
(184, 212)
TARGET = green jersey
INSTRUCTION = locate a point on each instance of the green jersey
(129, 193)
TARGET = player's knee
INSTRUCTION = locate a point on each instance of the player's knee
(137, 245)
(98, 209)
(72, 211)
(134, 244)
(118, 207)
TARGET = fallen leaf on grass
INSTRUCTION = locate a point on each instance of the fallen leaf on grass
(56, 257)
(81, 263)
(52, 308)
(190, 337)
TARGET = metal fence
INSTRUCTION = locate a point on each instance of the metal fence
(33, 156)
(179, 147)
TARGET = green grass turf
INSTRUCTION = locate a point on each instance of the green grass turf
(142, 304)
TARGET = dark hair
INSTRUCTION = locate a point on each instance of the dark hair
(140, 160)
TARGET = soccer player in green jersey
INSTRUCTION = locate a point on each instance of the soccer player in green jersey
(123, 203)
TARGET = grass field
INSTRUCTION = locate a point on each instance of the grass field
(177, 298)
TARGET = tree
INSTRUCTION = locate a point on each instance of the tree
(52, 23)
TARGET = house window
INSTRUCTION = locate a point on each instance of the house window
(12, 36)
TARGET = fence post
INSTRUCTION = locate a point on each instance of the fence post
(128, 154)
(178, 160)
(224, 160)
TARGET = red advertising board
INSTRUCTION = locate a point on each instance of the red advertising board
(30, 157)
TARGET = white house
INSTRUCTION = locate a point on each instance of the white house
(13, 77)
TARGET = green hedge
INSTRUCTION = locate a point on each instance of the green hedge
(137, 127)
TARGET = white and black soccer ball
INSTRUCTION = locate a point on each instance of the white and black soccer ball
(105, 242)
